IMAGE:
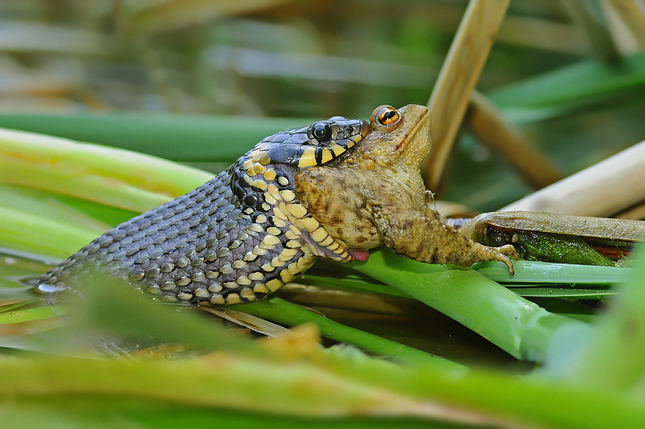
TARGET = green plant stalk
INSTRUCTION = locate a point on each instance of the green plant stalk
(37, 234)
(114, 177)
(560, 292)
(518, 326)
(569, 308)
(534, 272)
(351, 284)
(320, 388)
(81, 412)
(32, 314)
(532, 399)
(614, 359)
(210, 138)
(223, 380)
(531, 278)
(281, 311)
(35, 201)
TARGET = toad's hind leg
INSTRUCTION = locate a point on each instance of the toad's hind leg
(425, 238)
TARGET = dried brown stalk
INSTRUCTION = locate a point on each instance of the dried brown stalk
(457, 80)
(488, 124)
(633, 16)
(603, 189)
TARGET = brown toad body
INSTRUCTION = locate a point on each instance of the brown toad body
(375, 194)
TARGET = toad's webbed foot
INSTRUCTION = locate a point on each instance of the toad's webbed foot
(504, 254)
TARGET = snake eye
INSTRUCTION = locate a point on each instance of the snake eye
(321, 131)
(388, 116)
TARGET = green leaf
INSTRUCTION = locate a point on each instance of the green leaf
(584, 83)
(283, 312)
(176, 137)
(29, 232)
(110, 176)
(31, 314)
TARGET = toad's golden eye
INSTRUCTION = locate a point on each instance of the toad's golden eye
(386, 116)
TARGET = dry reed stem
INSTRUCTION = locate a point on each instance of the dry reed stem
(603, 189)
(249, 321)
(314, 296)
(457, 79)
(488, 124)
(634, 213)
(633, 16)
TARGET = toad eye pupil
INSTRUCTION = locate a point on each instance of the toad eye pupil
(321, 131)
(388, 117)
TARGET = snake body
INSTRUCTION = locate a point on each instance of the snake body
(237, 238)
